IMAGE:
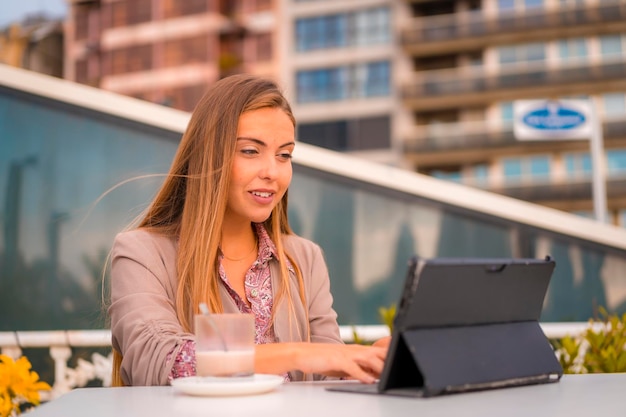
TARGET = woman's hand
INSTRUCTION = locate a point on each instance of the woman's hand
(383, 342)
(364, 363)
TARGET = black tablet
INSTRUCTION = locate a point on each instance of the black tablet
(468, 324)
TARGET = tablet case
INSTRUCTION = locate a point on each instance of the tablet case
(469, 324)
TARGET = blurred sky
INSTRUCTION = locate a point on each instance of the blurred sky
(15, 10)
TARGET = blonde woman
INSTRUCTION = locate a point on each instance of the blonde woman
(217, 232)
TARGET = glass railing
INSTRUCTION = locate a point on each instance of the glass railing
(378, 221)
(479, 24)
(64, 146)
(481, 134)
(480, 80)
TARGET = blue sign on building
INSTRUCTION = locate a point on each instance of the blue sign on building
(552, 119)
(554, 116)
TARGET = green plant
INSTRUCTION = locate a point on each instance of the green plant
(386, 315)
(600, 349)
(356, 338)
(567, 350)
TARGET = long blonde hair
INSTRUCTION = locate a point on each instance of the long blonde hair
(191, 203)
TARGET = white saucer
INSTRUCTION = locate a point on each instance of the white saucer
(227, 386)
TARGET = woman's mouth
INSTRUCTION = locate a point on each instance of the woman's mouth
(262, 197)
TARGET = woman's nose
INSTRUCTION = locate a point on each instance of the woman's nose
(269, 168)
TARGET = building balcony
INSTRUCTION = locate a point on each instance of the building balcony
(460, 32)
(460, 144)
(476, 86)
(482, 137)
(555, 193)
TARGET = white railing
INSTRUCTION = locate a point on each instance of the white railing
(61, 342)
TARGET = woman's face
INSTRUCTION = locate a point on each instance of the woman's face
(261, 169)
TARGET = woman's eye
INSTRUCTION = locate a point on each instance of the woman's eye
(249, 151)
(285, 155)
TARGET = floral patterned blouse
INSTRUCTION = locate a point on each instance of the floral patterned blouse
(258, 288)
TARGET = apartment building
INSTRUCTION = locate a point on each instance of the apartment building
(334, 58)
(473, 59)
(344, 62)
(168, 51)
(424, 84)
(35, 44)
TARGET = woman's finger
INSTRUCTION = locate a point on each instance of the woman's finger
(382, 342)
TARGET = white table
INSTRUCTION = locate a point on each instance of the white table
(575, 395)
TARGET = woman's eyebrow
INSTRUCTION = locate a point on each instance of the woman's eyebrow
(261, 143)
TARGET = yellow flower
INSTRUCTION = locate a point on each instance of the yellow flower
(18, 385)
(6, 404)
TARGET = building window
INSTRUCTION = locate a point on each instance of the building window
(329, 135)
(530, 4)
(377, 79)
(571, 49)
(506, 111)
(139, 11)
(321, 85)
(348, 135)
(119, 14)
(322, 32)
(139, 58)
(332, 84)
(585, 214)
(365, 27)
(531, 52)
(373, 27)
(175, 8)
(526, 169)
(622, 218)
(81, 22)
(480, 175)
(512, 169)
(185, 51)
(578, 165)
(611, 45)
(540, 166)
(511, 5)
(614, 104)
(454, 176)
(184, 98)
(132, 59)
(81, 71)
(263, 43)
(616, 162)
(130, 12)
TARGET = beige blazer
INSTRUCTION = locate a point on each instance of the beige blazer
(144, 326)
